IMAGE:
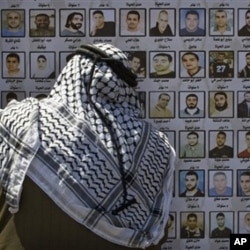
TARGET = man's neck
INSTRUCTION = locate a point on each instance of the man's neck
(193, 71)
(191, 192)
(222, 29)
(163, 72)
(13, 72)
(132, 30)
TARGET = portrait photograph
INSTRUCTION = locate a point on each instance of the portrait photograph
(13, 23)
(191, 144)
(192, 22)
(132, 22)
(72, 23)
(221, 104)
(192, 104)
(193, 64)
(221, 224)
(162, 64)
(221, 22)
(102, 22)
(42, 23)
(162, 104)
(221, 143)
(13, 64)
(220, 183)
(192, 225)
(42, 65)
(221, 64)
(162, 22)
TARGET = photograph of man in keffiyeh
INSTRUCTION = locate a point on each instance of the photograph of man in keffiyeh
(80, 170)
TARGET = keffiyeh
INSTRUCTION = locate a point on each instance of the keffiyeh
(86, 147)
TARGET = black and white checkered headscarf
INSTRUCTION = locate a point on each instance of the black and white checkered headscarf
(87, 148)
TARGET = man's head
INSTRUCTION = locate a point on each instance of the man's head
(192, 138)
(191, 180)
(135, 63)
(13, 20)
(247, 17)
(221, 18)
(192, 221)
(220, 182)
(133, 20)
(245, 182)
(98, 18)
(190, 61)
(162, 63)
(12, 62)
(247, 56)
(221, 139)
(192, 20)
(247, 96)
(42, 21)
(41, 62)
(74, 20)
(247, 220)
(220, 101)
(163, 100)
(11, 96)
(191, 101)
(221, 56)
(220, 217)
(162, 21)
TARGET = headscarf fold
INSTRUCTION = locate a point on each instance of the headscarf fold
(87, 148)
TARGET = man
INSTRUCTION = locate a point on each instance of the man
(246, 229)
(191, 110)
(190, 61)
(162, 27)
(12, 65)
(43, 29)
(246, 153)
(220, 185)
(221, 68)
(192, 25)
(191, 184)
(73, 25)
(193, 149)
(221, 27)
(245, 30)
(221, 231)
(161, 110)
(65, 163)
(135, 64)
(244, 106)
(101, 27)
(221, 106)
(162, 64)
(245, 72)
(192, 230)
(133, 22)
(221, 150)
(244, 184)
(14, 27)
